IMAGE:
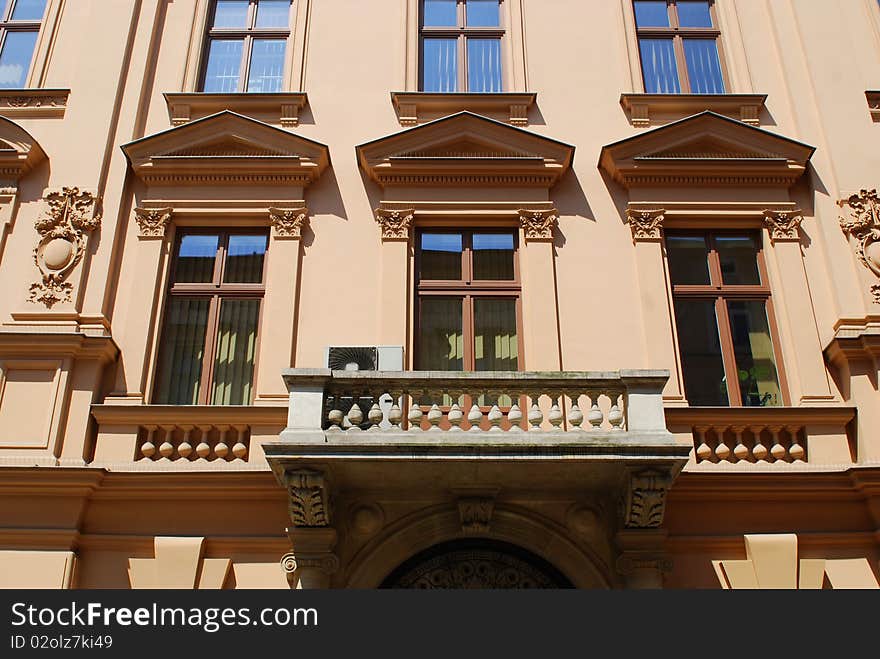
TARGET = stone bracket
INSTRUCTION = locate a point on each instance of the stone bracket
(308, 498)
(644, 503)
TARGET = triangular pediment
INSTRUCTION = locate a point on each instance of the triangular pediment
(709, 149)
(465, 149)
(19, 151)
(226, 149)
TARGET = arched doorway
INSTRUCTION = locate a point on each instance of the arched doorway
(475, 564)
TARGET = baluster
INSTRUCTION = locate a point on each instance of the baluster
(148, 448)
(615, 415)
(536, 416)
(435, 416)
(514, 414)
(496, 416)
(335, 416)
(777, 450)
(703, 450)
(475, 415)
(166, 448)
(221, 449)
(740, 451)
(722, 450)
(555, 415)
(795, 450)
(185, 448)
(575, 416)
(455, 416)
(375, 416)
(203, 449)
(395, 415)
(595, 417)
(759, 450)
(355, 416)
(415, 412)
(239, 450)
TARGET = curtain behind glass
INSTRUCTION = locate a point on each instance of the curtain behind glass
(439, 65)
(484, 65)
(236, 343)
(267, 65)
(495, 340)
(441, 339)
(658, 66)
(224, 65)
(704, 67)
(183, 347)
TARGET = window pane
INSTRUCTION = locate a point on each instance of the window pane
(195, 259)
(693, 14)
(482, 13)
(704, 68)
(739, 259)
(658, 66)
(495, 339)
(244, 259)
(183, 346)
(484, 65)
(755, 363)
(441, 341)
(439, 65)
(15, 59)
(231, 13)
(29, 10)
(700, 347)
(688, 260)
(267, 65)
(273, 13)
(224, 63)
(441, 256)
(651, 13)
(440, 13)
(234, 361)
(493, 256)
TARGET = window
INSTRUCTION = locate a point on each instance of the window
(724, 318)
(211, 316)
(468, 301)
(246, 44)
(679, 46)
(19, 27)
(461, 46)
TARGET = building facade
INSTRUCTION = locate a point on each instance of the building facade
(439, 293)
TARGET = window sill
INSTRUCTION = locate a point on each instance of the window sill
(33, 103)
(653, 109)
(417, 107)
(280, 108)
(873, 97)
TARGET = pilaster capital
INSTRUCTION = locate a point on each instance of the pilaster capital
(288, 223)
(152, 222)
(538, 224)
(645, 224)
(783, 225)
(395, 223)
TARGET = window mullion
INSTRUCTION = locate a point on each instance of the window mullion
(211, 328)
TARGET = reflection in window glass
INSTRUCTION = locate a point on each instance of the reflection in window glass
(482, 13)
(441, 339)
(755, 362)
(658, 66)
(231, 13)
(28, 10)
(182, 348)
(694, 14)
(701, 362)
(651, 13)
(15, 58)
(273, 13)
(484, 65)
(441, 256)
(688, 259)
(267, 65)
(235, 348)
(224, 65)
(704, 66)
(440, 13)
(244, 259)
(493, 256)
(739, 260)
(195, 259)
(439, 65)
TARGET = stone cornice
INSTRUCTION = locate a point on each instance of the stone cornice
(647, 109)
(412, 107)
(33, 103)
(277, 108)
(15, 343)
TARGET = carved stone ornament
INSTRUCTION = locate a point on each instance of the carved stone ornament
(783, 225)
(288, 222)
(308, 499)
(875, 293)
(476, 514)
(63, 232)
(864, 225)
(328, 563)
(629, 562)
(645, 224)
(538, 224)
(645, 501)
(152, 222)
(396, 224)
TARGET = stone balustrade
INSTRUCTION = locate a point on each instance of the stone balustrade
(193, 442)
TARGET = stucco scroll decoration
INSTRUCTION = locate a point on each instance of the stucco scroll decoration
(783, 224)
(152, 222)
(645, 224)
(396, 224)
(288, 222)
(308, 498)
(863, 224)
(538, 224)
(645, 502)
(63, 231)
(328, 563)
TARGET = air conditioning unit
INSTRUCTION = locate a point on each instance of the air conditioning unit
(365, 358)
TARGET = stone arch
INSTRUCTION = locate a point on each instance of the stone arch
(429, 527)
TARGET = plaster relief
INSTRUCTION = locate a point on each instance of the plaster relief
(863, 225)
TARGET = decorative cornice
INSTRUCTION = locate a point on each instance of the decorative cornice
(308, 498)
(783, 225)
(538, 224)
(396, 224)
(645, 109)
(413, 106)
(863, 225)
(32, 103)
(281, 107)
(645, 501)
(645, 224)
(152, 222)
(475, 514)
(71, 215)
(288, 223)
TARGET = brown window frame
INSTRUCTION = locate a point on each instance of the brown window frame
(461, 33)
(678, 34)
(247, 35)
(8, 25)
(217, 291)
(721, 293)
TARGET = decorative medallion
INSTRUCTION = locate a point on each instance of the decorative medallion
(152, 222)
(646, 499)
(538, 224)
(396, 224)
(784, 224)
(63, 232)
(645, 224)
(864, 225)
(308, 502)
(288, 222)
